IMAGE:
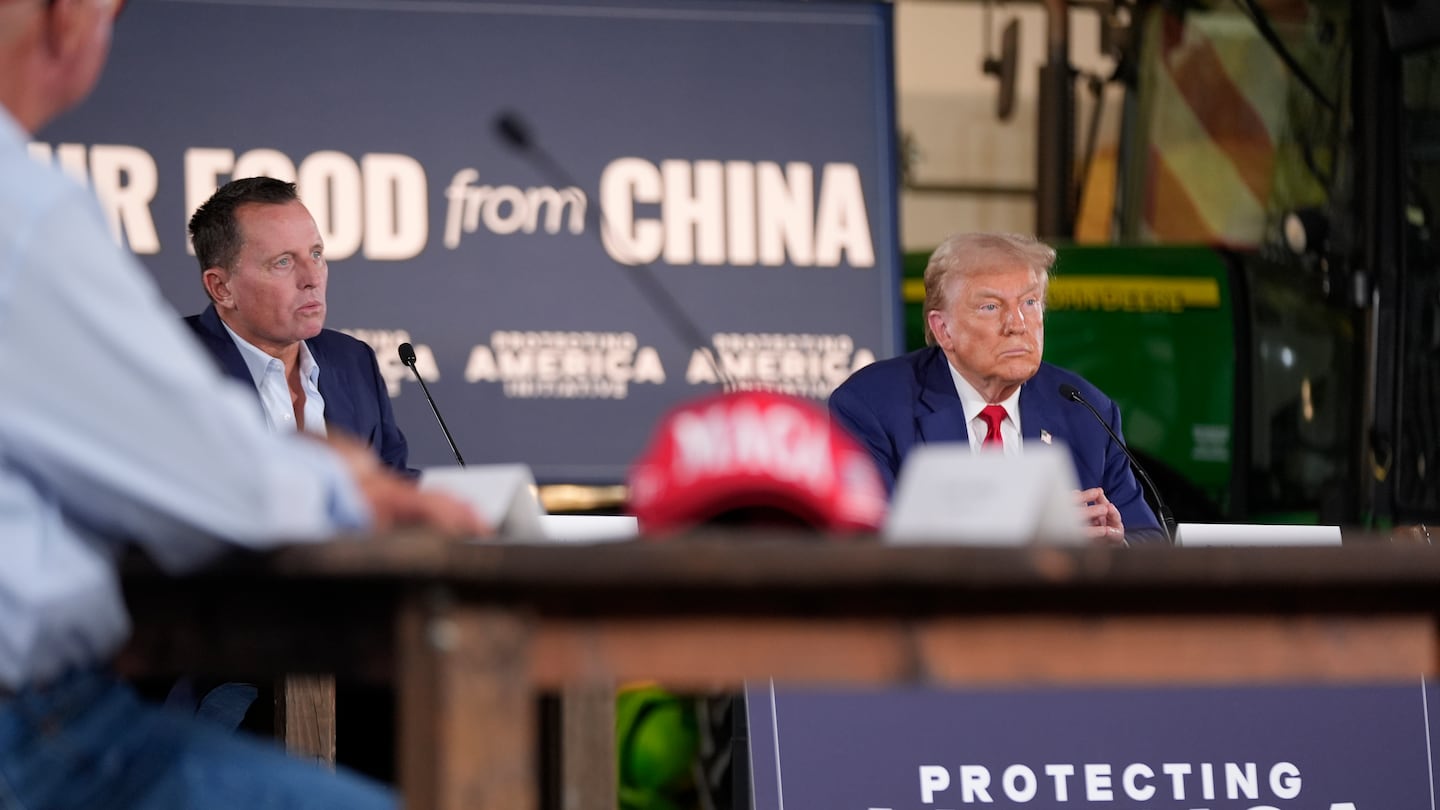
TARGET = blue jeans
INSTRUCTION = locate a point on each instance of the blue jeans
(87, 741)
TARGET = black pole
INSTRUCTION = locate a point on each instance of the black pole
(1055, 163)
(1377, 281)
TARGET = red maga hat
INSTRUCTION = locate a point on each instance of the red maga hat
(754, 453)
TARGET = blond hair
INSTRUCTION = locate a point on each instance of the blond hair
(964, 254)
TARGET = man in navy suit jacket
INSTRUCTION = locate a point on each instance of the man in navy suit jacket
(263, 266)
(981, 380)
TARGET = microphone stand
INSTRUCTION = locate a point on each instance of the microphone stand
(513, 131)
(1167, 518)
(407, 356)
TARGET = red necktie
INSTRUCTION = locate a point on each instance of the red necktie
(992, 416)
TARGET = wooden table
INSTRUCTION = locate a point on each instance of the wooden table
(471, 634)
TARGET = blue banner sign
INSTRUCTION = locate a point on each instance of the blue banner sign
(1251, 748)
(739, 155)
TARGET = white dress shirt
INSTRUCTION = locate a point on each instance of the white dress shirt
(268, 372)
(973, 403)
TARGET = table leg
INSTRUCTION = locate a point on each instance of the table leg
(305, 716)
(468, 711)
(587, 729)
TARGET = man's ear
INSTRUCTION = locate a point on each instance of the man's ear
(67, 25)
(935, 319)
(217, 285)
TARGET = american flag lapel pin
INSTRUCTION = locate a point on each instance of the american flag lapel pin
(1045, 436)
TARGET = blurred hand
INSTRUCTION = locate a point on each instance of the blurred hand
(397, 501)
(1103, 525)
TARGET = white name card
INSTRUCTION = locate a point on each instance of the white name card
(947, 494)
(503, 494)
(1254, 534)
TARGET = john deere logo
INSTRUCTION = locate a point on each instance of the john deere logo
(1116, 293)
(1133, 294)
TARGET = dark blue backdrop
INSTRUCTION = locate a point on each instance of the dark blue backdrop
(1308, 748)
(777, 117)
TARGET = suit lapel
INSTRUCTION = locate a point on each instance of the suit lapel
(938, 413)
(339, 407)
(1034, 417)
(226, 353)
(1042, 412)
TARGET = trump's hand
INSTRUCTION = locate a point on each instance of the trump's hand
(1103, 525)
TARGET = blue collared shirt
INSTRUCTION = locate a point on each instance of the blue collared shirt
(115, 427)
(268, 372)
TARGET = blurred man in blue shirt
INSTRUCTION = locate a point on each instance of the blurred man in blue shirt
(115, 426)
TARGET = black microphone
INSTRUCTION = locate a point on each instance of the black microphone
(407, 356)
(514, 133)
(1167, 519)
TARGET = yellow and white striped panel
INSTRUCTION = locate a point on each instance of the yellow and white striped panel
(1217, 110)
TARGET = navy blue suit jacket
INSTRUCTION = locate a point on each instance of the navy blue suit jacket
(356, 401)
(893, 405)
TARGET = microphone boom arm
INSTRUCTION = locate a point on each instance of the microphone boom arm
(407, 356)
(514, 133)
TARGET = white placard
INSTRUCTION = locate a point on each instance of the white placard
(589, 528)
(947, 494)
(1254, 534)
(503, 494)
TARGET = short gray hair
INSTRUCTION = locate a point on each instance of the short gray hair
(963, 254)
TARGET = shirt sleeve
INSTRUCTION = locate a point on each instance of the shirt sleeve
(113, 410)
